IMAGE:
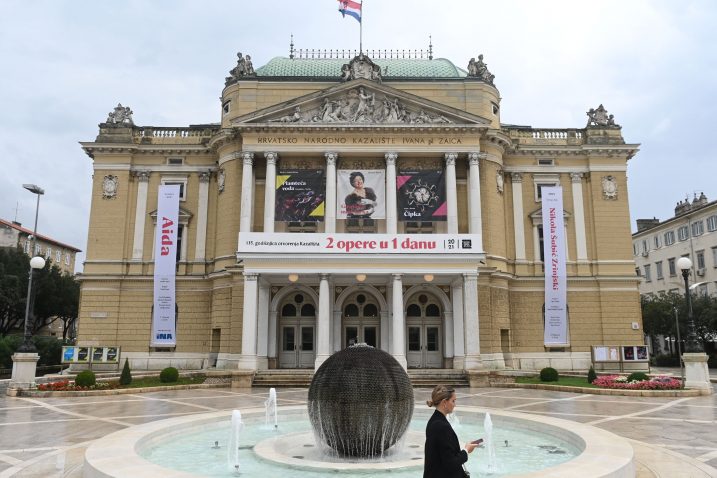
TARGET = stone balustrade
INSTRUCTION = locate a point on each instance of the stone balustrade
(547, 136)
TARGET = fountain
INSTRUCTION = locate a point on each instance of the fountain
(271, 411)
(360, 402)
(233, 448)
(490, 444)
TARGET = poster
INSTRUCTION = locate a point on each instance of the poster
(361, 194)
(421, 196)
(556, 319)
(165, 260)
(300, 195)
(632, 353)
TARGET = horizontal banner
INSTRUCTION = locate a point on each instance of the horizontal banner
(289, 243)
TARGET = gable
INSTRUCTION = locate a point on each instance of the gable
(360, 102)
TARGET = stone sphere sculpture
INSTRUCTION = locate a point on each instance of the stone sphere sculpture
(360, 401)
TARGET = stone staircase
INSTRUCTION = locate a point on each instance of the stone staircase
(423, 378)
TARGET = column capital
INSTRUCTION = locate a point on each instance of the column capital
(470, 276)
(324, 277)
(271, 157)
(473, 158)
(576, 177)
(331, 158)
(516, 177)
(141, 175)
(250, 276)
(204, 176)
(247, 157)
(397, 276)
(391, 158)
(450, 158)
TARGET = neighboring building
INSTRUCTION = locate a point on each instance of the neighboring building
(318, 120)
(12, 234)
(691, 232)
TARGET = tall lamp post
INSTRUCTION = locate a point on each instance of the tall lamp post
(35, 263)
(692, 344)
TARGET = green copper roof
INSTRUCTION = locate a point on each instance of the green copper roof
(331, 68)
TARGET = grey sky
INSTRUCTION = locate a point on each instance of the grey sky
(67, 63)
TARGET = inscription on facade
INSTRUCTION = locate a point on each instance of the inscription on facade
(388, 140)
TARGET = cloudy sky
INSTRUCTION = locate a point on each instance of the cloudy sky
(67, 63)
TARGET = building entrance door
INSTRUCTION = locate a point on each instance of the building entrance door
(361, 323)
(424, 345)
(297, 333)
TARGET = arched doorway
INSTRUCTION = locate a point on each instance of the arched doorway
(423, 332)
(361, 320)
(297, 332)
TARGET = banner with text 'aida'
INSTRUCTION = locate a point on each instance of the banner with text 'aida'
(164, 332)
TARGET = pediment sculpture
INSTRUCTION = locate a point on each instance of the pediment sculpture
(360, 105)
(243, 69)
(599, 117)
(121, 116)
(361, 67)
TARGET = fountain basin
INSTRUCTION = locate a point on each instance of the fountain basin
(601, 454)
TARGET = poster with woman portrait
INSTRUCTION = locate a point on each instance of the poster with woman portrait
(421, 195)
(361, 194)
(300, 195)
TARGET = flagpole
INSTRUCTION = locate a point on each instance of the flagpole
(361, 30)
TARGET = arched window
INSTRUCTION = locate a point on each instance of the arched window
(351, 310)
(432, 310)
(308, 310)
(413, 310)
(370, 310)
(289, 310)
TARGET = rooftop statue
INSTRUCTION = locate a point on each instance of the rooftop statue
(478, 69)
(599, 117)
(121, 116)
(243, 69)
(361, 67)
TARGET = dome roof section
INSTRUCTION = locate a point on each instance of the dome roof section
(398, 68)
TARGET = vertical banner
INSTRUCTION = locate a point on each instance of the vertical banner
(556, 323)
(361, 194)
(165, 261)
(421, 196)
(300, 195)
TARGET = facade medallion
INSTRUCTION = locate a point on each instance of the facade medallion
(609, 187)
(109, 186)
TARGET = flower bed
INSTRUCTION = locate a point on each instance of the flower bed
(620, 381)
(66, 385)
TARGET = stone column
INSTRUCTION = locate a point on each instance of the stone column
(391, 220)
(459, 350)
(247, 191)
(330, 204)
(269, 191)
(451, 195)
(202, 212)
(247, 360)
(262, 329)
(323, 333)
(474, 203)
(140, 215)
(579, 216)
(518, 226)
(398, 332)
(471, 320)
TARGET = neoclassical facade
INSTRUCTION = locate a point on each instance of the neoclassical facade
(359, 200)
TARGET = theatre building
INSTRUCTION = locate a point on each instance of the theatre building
(360, 200)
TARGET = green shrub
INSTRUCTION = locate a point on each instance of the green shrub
(8, 346)
(169, 374)
(667, 360)
(126, 377)
(591, 375)
(49, 349)
(712, 361)
(637, 377)
(86, 378)
(548, 374)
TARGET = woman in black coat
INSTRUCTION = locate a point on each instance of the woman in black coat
(444, 457)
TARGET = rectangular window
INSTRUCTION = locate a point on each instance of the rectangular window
(700, 259)
(361, 226)
(226, 107)
(637, 271)
(38, 249)
(541, 242)
(648, 273)
(658, 270)
(181, 182)
(657, 242)
(671, 266)
(714, 256)
(48, 253)
(58, 256)
(27, 246)
(683, 233)
(669, 238)
(67, 259)
(419, 227)
(545, 162)
(539, 190)
(635, 249)
(712, 223)
(697, 228)
(645, 247)
(175, 161)
(702, 290)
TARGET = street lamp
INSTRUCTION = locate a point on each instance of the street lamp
(35, 263)
(692, 345)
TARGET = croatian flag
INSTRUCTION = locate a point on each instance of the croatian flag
(349, 7)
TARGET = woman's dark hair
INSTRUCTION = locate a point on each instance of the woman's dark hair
(354, 175)
(440, 393)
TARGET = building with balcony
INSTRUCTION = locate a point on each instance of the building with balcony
(692, 233)
(344, 200)
(12, 234)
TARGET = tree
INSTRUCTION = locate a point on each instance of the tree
(14, 268)
(658, 314)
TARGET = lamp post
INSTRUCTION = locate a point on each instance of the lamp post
(692, 344)
(35, 263)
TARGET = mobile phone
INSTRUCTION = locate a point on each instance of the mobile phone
(478, 441)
